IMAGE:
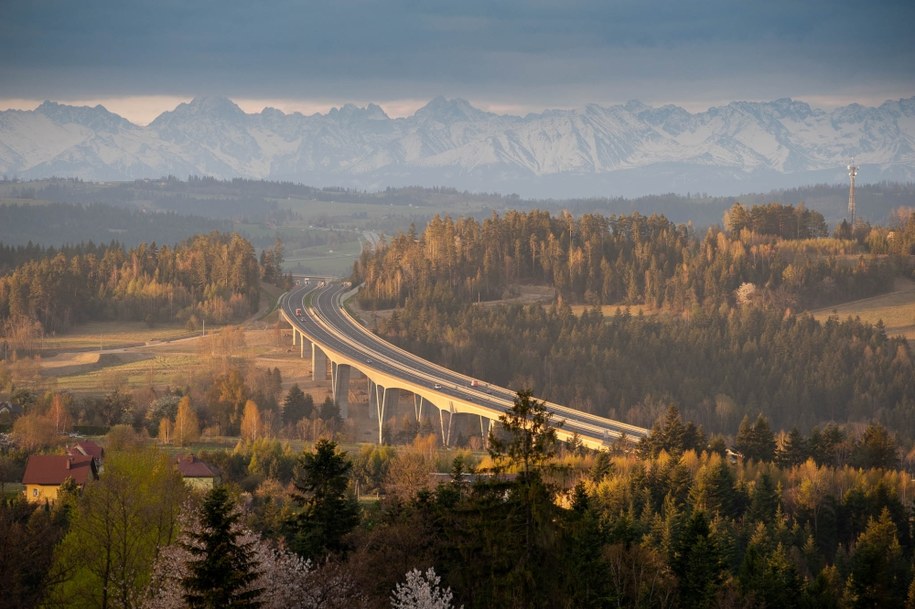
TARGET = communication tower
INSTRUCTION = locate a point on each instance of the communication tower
(852, 172)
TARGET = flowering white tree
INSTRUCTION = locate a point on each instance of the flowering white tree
(745, 293)
(287, 581)
(422, 591)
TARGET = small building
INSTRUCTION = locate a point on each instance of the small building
(196, 473)
(45, 473)
(88, 448)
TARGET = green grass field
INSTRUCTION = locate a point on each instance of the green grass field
(93, 358)
(323, 260)
(112, 335)
(144, 371)
(351, 214)
(896, 309)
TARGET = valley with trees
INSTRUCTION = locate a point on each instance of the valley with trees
(439, 305)
(777, 470)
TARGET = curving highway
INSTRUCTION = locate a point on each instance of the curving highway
(347, 344)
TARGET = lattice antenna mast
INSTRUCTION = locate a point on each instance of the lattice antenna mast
(852, 172)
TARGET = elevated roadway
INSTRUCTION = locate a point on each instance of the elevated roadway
(335, 338)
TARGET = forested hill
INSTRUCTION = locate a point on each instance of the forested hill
(726, 344)
(717, 368)
(214, 277)
(632, 260)
(63, 223)
(262, 201)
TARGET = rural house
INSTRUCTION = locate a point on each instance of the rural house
(88, 448)
(45, 473)
(196, 473)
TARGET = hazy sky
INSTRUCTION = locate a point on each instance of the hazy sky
(139, 58)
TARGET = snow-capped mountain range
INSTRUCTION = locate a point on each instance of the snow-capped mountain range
(617, 150)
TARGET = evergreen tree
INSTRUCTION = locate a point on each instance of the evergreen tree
(603, 466)
(28, 535)
(527, 530)
(329, 411)
(764, 500)
(222, 572)
(756, 440)
(530, 438)
(828, 446)
(767, 575)
(792, 450)
(329, 511)
(297, 405)
(715, 490)
(671, 434)
(875, 449)
(879, 574)
(697, 563)
(586, 569)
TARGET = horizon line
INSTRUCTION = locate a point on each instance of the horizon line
(143, 110)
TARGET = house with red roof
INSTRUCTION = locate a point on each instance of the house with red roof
(88, 448)
(45, 473)
(196, 473)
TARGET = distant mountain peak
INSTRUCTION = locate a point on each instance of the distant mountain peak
(48, 107)
(375, 111)
(349, 112)
(97, 117)
(450, 110)
(220, 109)
(216, 105)
(595, 149)
(635, 106)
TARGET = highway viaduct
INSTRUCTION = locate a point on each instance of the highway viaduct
(321, 325)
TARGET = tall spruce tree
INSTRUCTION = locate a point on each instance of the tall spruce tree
(297, 406)
(756, 440)
(878, 576)
(876, 449)
(671, 434)
(530, 438)
(792, 450)
(528, 442)
(223, 571)
(329, 510)
(697, 562)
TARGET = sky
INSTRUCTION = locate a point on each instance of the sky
(139, 58)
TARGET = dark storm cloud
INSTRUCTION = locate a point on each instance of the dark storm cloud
(587, 50)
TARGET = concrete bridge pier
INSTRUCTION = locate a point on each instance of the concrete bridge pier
(373, 412)
(381, 399)
(318, 363)
(340, 386)
(446, 420)
(418, 403)
(304, 341)
(485, 425)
